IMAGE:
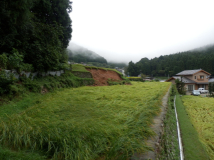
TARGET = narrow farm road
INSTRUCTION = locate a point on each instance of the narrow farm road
(158, 129)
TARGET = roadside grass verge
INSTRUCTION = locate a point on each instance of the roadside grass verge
(170, 147)
(111, 122)
(201, 113)
(193, 149)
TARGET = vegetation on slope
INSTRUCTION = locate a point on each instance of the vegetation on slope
(85, 122)
(201, 113)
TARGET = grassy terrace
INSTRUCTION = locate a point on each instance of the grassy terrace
(78, 68)
(201, 113)
(81, 123)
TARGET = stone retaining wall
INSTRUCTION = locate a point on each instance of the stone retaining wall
(27, 74)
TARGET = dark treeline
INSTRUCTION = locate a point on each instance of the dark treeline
(36, 32)
(172, 64)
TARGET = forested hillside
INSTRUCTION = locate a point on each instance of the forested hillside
(171, 64)
(34, 33)
(80, 54)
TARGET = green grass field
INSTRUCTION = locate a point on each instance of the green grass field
(110, 122)
(201, 113)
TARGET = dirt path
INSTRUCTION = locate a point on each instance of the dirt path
(158, 128)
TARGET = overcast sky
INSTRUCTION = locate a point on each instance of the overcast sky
(128, 30)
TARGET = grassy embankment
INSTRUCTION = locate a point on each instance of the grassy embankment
(81, 123)
(201, 113)
(193, 148)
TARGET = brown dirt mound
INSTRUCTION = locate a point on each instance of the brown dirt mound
(101, 76)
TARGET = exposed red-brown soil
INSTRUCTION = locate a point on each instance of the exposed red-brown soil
(101, 76)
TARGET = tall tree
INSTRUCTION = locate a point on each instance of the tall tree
(14, 19)
(132, 69)
(52, 12)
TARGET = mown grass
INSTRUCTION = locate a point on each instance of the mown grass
(193, 149)
(84, 123)
(201, 113)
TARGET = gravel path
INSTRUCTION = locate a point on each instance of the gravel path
(158, 128)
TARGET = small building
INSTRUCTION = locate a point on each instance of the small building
(193, 79)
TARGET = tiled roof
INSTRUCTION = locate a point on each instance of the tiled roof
(188, 72)
(184, 79)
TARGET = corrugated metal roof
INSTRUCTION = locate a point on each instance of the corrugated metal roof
(189, 72)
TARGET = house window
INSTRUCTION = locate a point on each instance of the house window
(190, 87)
(195, 77)
(201, 77)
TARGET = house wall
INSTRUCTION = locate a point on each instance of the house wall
(196, 86)
(190, 77)
(172, 80)
(186, 86)
(205, 86)
(198, 77)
